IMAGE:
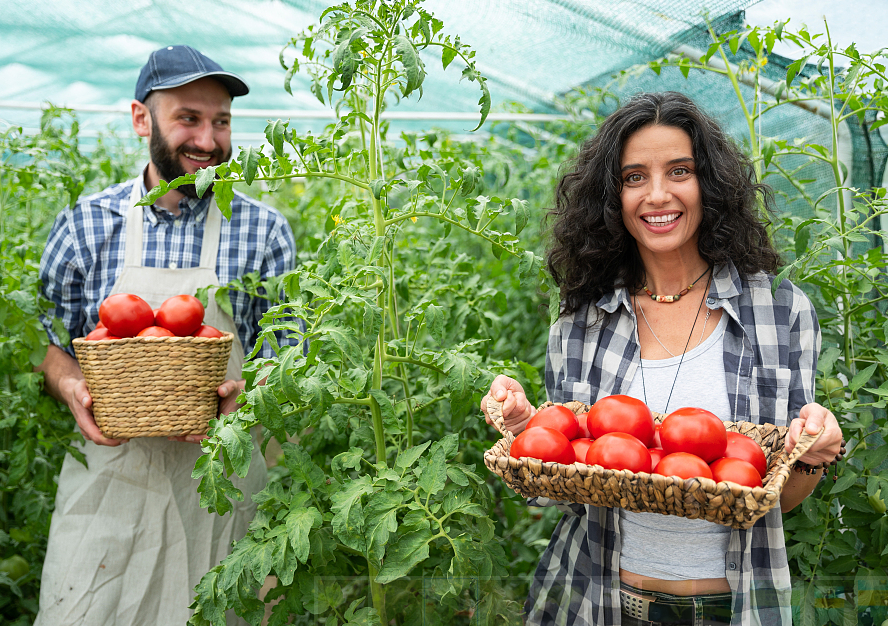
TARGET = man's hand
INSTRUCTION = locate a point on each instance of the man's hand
(65, 382)
(517, 410)
(228, 392)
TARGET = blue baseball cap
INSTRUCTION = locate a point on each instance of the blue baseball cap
(175, 66)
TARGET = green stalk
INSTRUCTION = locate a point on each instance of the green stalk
(377, 591)
(837, 174)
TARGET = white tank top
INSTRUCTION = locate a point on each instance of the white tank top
(666, 546)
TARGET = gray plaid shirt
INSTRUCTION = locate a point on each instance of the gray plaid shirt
(770, 356)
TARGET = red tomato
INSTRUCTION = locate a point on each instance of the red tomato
(657, 455)
(736, 471)
(582, 420)
(181, 314)
(545, 444)
(622, 414)
(207, 331)
(125, 314)
(99, 325)
(558, 417)
(745, 448)
(695, 431)
(581, 446)
(619, 451)
(683, 465)
(100, 333)
(155, 331)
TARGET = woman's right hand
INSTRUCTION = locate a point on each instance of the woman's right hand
(517, 410)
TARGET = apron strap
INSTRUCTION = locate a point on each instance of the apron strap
(209, 247)
(133, 251)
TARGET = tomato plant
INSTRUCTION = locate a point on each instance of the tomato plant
(736, 471)
(619, 451)
(695, 431)
(125, 314)
(622, 414)
(560, 418)
(545, 444)
(182, 314)
(393, 354)
(683, 465)
(742, 447)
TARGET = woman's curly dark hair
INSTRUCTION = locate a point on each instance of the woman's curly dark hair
(591, 252)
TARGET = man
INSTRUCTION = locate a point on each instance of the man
(128, 540)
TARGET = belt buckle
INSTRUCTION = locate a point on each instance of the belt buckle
(636, 605)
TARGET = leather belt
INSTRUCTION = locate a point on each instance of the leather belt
(668, 609)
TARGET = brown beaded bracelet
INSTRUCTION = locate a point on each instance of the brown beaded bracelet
(803, 468)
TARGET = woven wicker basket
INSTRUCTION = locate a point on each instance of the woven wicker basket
(154, 386)
(724, 503)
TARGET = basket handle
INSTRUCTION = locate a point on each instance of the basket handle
(804, 443)
(495, 411)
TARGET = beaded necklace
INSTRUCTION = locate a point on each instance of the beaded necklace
(677, 296)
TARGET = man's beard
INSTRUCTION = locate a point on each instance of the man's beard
(167, 162)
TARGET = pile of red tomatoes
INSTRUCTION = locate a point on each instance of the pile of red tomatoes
(127, 315)
(619, 433)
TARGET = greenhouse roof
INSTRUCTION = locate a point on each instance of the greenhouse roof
(87, 55)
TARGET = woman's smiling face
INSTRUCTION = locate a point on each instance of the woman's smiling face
(661, 199)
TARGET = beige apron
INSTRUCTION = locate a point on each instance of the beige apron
(128, 540)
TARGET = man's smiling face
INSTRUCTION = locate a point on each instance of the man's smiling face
(190, 129)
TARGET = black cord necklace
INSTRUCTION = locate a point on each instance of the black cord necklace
(680, 361)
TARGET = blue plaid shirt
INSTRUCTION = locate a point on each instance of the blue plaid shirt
(85, 254)
(770, 359)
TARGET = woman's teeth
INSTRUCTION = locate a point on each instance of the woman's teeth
(661, 220)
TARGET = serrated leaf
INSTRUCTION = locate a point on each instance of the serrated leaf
(205, 177)
(522, 214)
(434, 321)
(380, 521)
(274, 133)
(261, 560)
(844, 481)
(266, 407)
(214, 488)
(238, 447)
(346, 460)
(401, 557)
(299, 524)
(249, 161)
(345, 340)
(861, 378)
(386, 407)
(447, 55)
(223, 192)
(154, 194)
(372, 319)
(413, 67)
(302, 469)
(434, 472)
(406, 458)
(375, 249)
(376, 186)
(348, 518)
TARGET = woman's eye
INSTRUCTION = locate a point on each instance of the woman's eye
(681, 171)
(633, 178)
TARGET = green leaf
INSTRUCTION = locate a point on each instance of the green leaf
(154, 194)
(266, 407)
(413, 67)
(376, 186)
(522, 214)
(380, 521)
(346, 460)
(348, 518)
(803, 235)
(367, 616)
(386, 406)
(344, 338)
(862, 378)
(302, 469)
(224, 194)
(434, 321)
(249, 160)
(844, 481)
(274, 133)
(238, 447)
(375, 250)
(261, 560)
(206, 176)
(406, 458)
(214, 488)
(403, 555)
(223, 300)
(299, 524)
(447, 55)
(434, 472)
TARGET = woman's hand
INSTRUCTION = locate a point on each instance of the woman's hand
(811, 419)
(517, 411)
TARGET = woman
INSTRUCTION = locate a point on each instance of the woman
(665, 273)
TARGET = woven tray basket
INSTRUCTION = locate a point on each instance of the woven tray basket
(154, 386)
(724, 503)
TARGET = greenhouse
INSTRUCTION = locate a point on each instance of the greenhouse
(379, 241)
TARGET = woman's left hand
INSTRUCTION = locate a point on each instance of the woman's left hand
(811, 419)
